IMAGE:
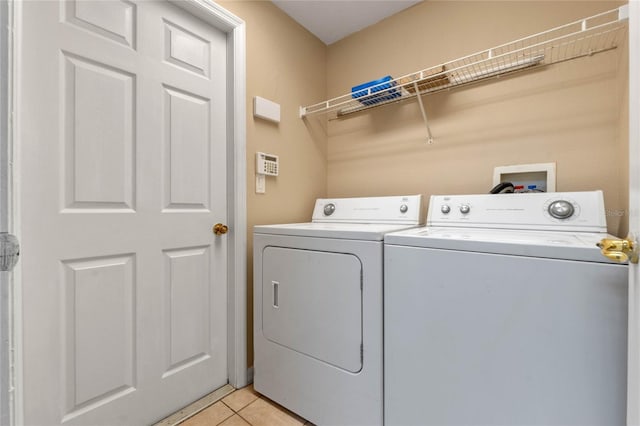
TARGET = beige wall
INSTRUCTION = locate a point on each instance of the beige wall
(574, 114)
(285, 64)
(569, 113)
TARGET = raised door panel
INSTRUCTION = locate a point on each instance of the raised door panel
(99, 135)
(114, 19)
(187, 150)
(187, 320)
(186, 49)
(98, 330)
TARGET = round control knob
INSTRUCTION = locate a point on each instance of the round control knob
(445, 209)
(404, 208)
(464, 209)
(329, 209)
(561, 209)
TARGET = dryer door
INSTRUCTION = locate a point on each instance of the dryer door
(312, 304)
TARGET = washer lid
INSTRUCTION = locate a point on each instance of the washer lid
(348, 231)
(555, 245)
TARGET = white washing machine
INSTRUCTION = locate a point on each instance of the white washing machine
(318, 308)
(503, 312)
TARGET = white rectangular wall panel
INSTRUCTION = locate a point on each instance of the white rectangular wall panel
(264, 108)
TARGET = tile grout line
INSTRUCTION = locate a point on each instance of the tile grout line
(237, 412)
(240, 415)
(233, 413)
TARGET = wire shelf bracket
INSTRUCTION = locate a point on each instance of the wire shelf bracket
(585, 37)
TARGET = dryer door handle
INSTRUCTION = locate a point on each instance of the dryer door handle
(275, 291)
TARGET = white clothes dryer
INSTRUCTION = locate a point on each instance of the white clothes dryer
(502, 311)
(318, 308)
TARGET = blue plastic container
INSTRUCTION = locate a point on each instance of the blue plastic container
(381, 90)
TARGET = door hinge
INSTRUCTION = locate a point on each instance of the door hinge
(9, 251)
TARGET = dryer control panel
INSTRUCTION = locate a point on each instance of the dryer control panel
(560, 211)
(402, 209)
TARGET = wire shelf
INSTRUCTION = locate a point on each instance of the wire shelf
(585, 37)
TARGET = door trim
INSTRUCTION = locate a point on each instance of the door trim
(5, 208)
(633, 363)
(11, 402)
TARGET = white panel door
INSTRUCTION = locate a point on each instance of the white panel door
(122, 149)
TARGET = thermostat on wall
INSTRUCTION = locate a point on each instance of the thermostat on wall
(527, 177)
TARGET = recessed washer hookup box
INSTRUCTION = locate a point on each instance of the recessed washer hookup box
(539, 177)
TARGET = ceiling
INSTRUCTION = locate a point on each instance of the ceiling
(332, 20)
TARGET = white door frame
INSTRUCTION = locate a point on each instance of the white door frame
(234, 27)
(5, 226)
(633, 363)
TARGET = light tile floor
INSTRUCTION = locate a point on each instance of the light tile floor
(245, 407)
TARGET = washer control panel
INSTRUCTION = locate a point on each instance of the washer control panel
(571, 211)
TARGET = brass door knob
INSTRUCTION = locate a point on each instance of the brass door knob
(220, 229)
(619, 250)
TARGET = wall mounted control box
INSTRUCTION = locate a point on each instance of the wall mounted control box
(540, 177)
(267, 164)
